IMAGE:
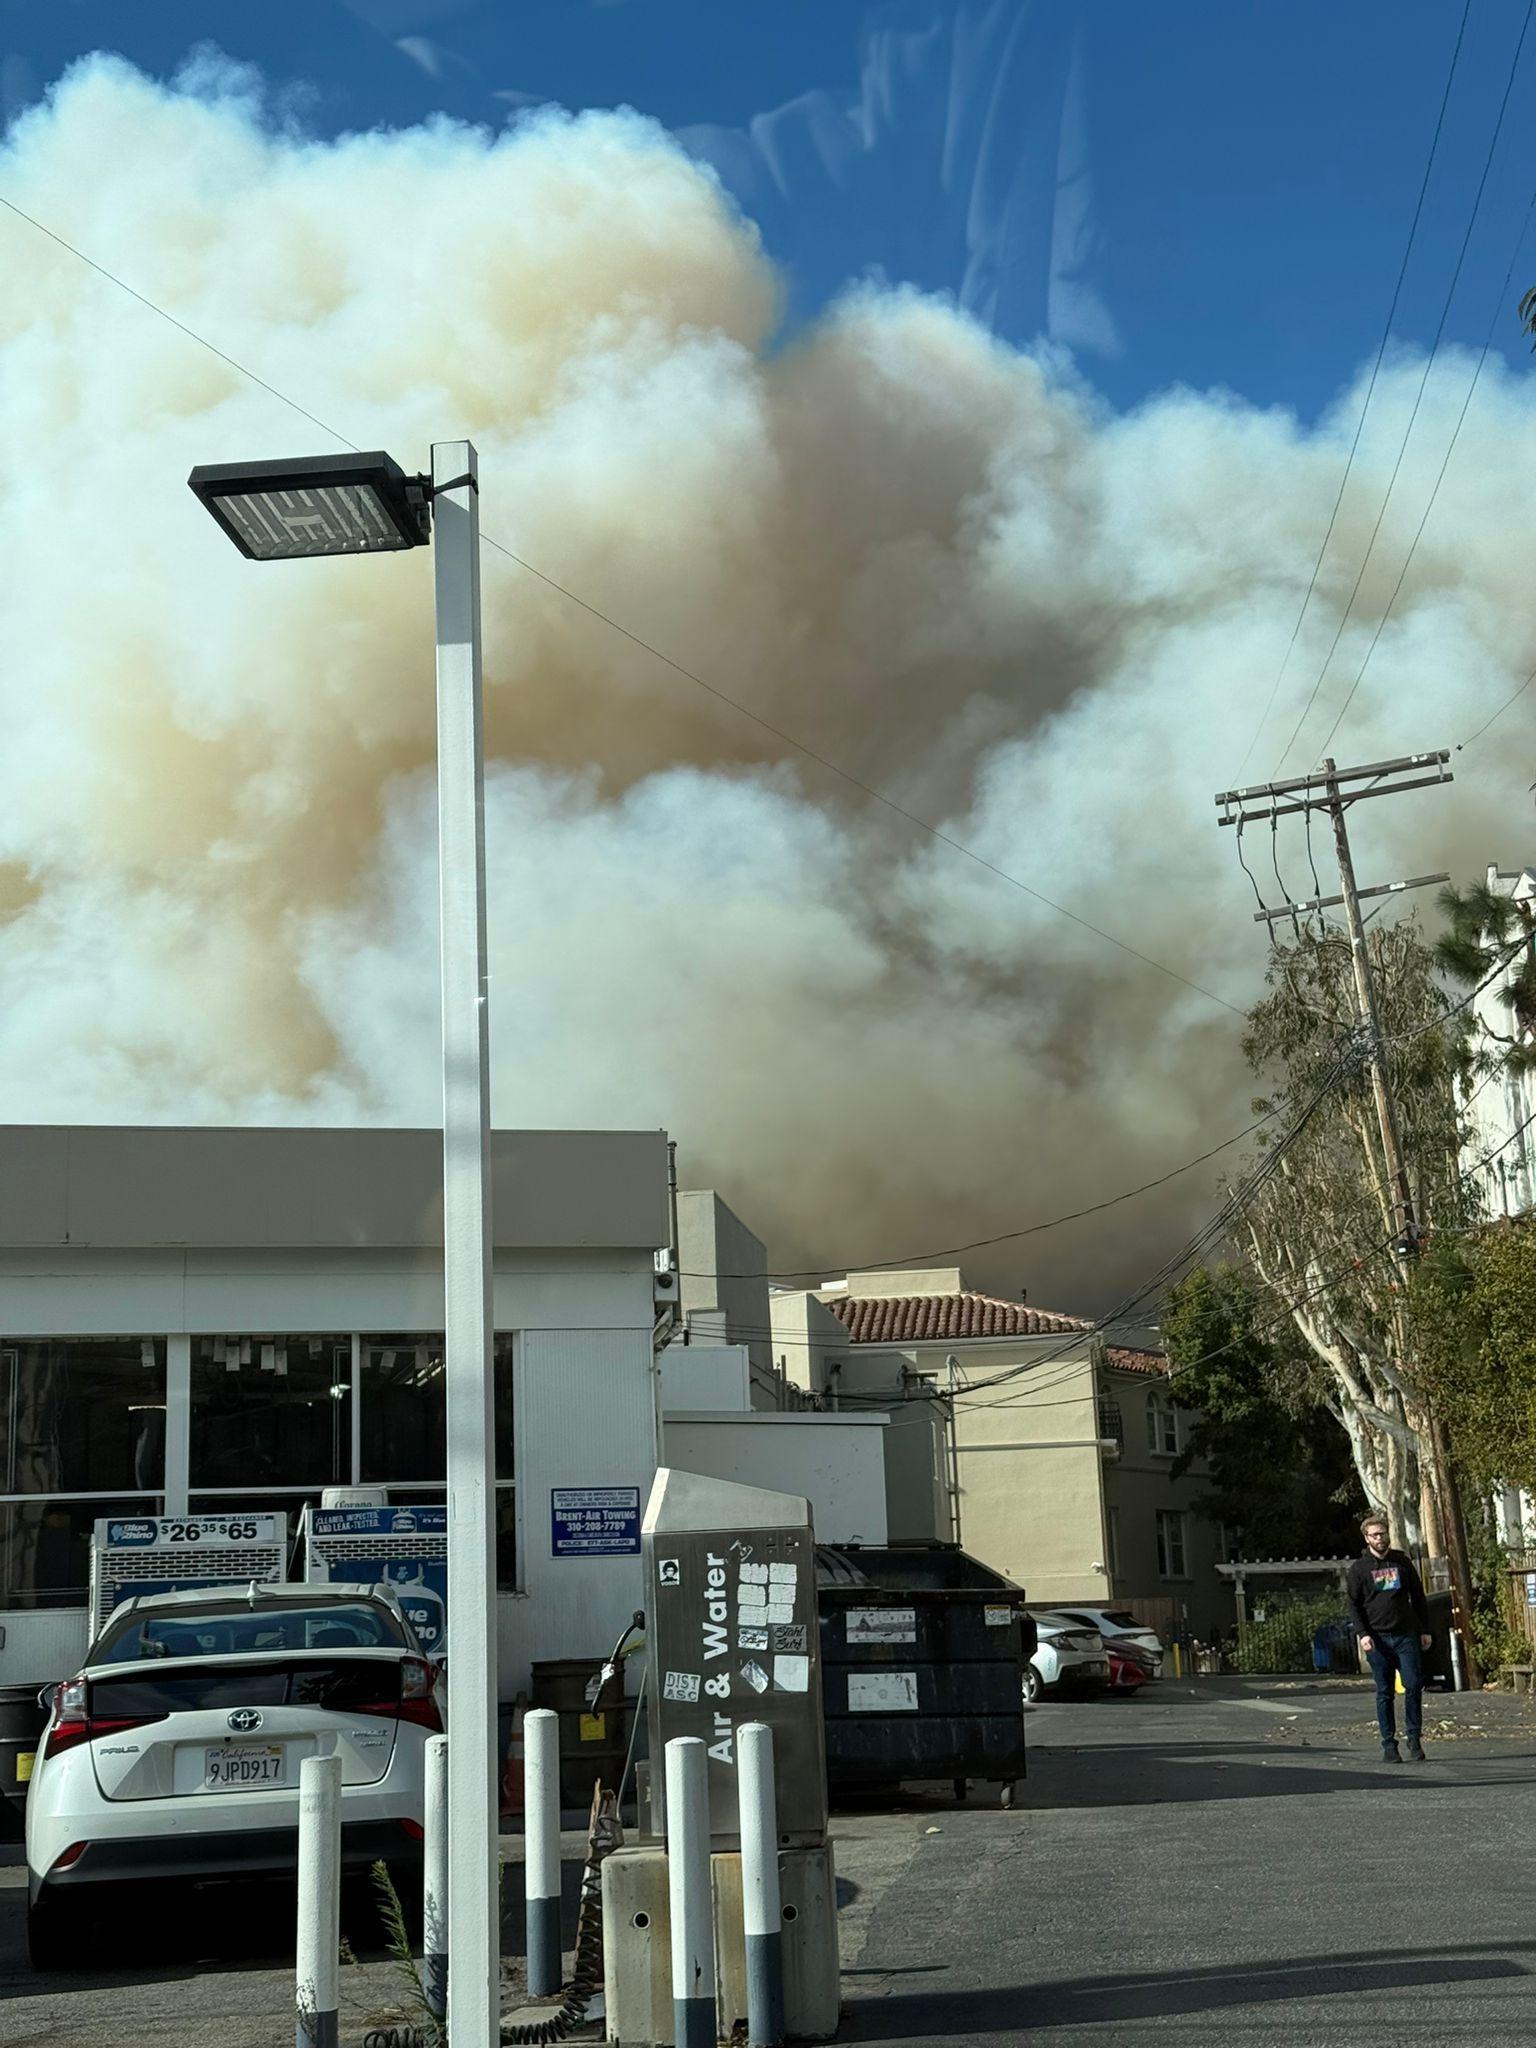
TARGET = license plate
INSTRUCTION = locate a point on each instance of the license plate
(241, 1768)
(1095, 1665)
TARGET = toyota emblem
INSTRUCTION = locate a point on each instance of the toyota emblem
(245, 1720)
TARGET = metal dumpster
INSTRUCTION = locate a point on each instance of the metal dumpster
(922, 1656)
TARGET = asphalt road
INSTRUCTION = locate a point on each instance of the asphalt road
(1219, 1864)
(1222, 1863)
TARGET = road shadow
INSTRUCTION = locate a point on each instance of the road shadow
(1152, 1773)
(1146, 1995)
(149, 1934)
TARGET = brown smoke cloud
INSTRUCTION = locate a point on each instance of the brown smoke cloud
(933, 559)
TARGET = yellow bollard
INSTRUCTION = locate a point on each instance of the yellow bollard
(1178, 1662)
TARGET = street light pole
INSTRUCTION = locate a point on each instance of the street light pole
(474, 1927)
(364, 503)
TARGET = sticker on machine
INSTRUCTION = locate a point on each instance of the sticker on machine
(882, 1624)
(755, 1675)
(681, 1685)
(997, 1617)
(882, 1692)
(752, 1638)
(792, 1674)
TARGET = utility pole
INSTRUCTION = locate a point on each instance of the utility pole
(1327, 792)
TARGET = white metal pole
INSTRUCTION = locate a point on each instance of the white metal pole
(178, 1422)
(319, 1924)
(541, 1844)
(434, 1880)
(757, 1803)
(474, 1930)
(690, 1889)
(1458, 1670)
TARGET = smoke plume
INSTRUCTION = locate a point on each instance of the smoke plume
(938, 562)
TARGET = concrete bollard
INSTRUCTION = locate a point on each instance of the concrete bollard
(434, 1880)
(319, 1928)
(761, 1910)
(541, 1850)
(691, 1895)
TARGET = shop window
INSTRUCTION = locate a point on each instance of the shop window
(403, 1410)
(271, 1411)
(45, 1548)
(82, 1414)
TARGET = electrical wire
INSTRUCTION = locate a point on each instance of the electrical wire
(1462, 745)
(649, 647)
(955, 1251)
(934, 1256)
(1381, 350)
(1210, 1232)
(1445, 464)
(1237, 840)
(1379, 1248)
(1419, 395)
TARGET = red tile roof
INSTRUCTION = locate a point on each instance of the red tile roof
(947, 1318)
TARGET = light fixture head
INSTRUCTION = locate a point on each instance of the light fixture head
(316, 505)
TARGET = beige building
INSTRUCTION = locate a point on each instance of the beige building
(1049, 1453)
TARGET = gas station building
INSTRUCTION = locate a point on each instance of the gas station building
(232, 1321)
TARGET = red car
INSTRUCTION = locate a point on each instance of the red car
(1129, 1667)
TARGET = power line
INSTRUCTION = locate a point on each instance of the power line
(1419, 395)
(573, 597)
(1445, 464)
(1386, 335)
(954, 1251)
(1378, 1249)
(1462, 745)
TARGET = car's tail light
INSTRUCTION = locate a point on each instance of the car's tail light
(74, 1723)
(71, 1855)
(418, 1697)
(415, 1830)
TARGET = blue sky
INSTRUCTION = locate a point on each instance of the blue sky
(1199, 192)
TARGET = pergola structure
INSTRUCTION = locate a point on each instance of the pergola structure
(1281, 1568)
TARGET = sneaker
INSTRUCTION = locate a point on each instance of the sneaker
(1389, 1753)
(1416, 1752)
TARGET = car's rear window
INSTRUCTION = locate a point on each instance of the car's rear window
(350, 1687)
(225, 1629)
(1121, 1618)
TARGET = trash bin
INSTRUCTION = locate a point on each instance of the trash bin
(594, 1740)
(922, 1666)
(22, 1721)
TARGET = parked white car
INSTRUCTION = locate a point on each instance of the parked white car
(1067, 1653)
(175, 1751)
(1118, 1625)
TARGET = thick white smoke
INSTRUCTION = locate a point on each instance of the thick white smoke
(936, 561)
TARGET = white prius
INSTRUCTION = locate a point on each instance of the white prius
(174, 1752)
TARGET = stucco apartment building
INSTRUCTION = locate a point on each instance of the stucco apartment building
(1061, 1450)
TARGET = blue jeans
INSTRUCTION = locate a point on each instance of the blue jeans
(1388, 1656)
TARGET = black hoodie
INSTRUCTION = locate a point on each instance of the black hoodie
(1386, 1596)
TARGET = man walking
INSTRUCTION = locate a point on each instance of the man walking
(1387, 1600)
